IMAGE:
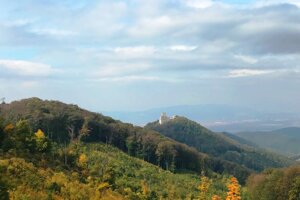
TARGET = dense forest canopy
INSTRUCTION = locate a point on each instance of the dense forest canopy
(222, 146)
(32, 166)
(63, 123)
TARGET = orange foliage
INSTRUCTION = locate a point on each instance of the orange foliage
(233, 190)
(216, 197)
(82, 161)
(8, 128)
(204, 186)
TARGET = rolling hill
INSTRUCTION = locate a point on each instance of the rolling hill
(285, 141)
(232, 148)
(110, 174)
(52, 150)
(63, 123)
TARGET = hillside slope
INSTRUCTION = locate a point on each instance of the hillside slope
(64, 123)
(285, 141)
(193, 134)
(107, 174)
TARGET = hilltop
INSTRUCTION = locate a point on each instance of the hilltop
(222, 146)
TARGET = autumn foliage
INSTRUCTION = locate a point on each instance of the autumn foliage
(233, 190)
(216, 197)
(204, 187)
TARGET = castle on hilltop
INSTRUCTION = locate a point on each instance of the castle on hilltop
(165, 118)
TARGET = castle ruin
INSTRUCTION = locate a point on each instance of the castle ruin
(165, 118)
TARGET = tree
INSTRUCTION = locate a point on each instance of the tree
(8, 129)
(2, 134)
(84, 131)
(82, 160)
(233, 190)
(4, 195)
(294, 193)
(166, 154)
(145, 188)
(204, 187)
(41, 141)
(23, 132)
(132, 145)
(103, 187)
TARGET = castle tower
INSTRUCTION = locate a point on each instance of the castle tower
(163, 118)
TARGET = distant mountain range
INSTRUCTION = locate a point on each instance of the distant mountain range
(285, 141)
(216, 117)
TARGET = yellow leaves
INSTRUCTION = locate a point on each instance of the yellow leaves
(145, 188)
(8, 128)
(42, 144)
(233, 190)
(204, 187)
(82, 160)
(103, 186)
(216, 197)
(58, 178)
(40, 134)
(205, 184)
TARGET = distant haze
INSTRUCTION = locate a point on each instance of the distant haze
(216, 117)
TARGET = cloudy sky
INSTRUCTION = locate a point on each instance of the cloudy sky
(139, 54)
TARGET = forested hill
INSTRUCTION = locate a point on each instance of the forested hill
(193, 134)
(36, 168)
(64, 123)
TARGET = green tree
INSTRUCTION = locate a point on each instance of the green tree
(23, 130)
(2, 135)
(42, 144)
(294, 193)
(3, 191)
(166, 154)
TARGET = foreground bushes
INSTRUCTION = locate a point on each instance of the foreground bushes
(276, 184)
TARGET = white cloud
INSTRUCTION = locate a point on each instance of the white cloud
(151, 26)
(120, 69)
(200, 4)
(247, 72)
(135, 51)
(18, 22)
(182, 48)
(136, 78)
(246, 59)
(258, 26)
(52, 32)
(129, 78)
(25, 68)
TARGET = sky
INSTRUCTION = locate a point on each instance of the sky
(140, 54)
